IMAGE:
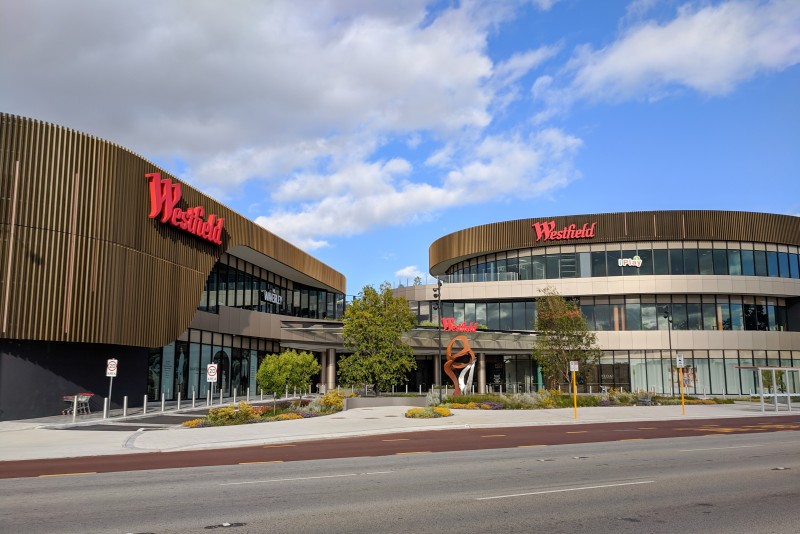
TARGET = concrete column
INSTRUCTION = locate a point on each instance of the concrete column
(331, 361)
(481, 373)
(323, 368)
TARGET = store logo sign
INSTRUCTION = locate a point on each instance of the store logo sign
(636, 261)
(546, 231)
(269, 296)
(164, 198)
(449, 324)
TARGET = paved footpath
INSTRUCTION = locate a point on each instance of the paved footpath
(55, 437)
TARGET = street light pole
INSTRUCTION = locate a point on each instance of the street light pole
(668, 317)
(437, 293)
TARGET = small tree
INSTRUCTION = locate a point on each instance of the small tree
(563, 335)
(373, 327)
(290, 369)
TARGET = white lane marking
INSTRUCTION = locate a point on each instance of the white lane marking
(720, 448)
(303, 478)
(563, 490)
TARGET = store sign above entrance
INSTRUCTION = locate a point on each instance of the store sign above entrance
(635, 261)
(546, 231)
(449, 324)
(164, 198)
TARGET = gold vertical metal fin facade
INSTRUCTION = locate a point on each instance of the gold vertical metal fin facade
(135, 281)
(617, 228)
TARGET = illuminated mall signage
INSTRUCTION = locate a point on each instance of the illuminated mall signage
(636, 261)
(164, 198)
(269, 296)
(546, 231)
(449, 324)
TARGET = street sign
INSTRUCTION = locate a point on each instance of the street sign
(679, 361)
(111, 368)
(573, 366)
(211, 372)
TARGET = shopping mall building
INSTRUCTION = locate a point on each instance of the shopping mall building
(729, 280)
(106, 256)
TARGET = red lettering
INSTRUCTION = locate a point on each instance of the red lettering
(546, 231)
(164, 198)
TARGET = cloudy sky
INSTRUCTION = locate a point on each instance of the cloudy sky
(361, 131)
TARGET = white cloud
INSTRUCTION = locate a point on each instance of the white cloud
(710, 50)
(410, 273)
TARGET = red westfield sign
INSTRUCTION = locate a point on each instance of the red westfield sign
(164, 198)
(546, 231)
(449, 323)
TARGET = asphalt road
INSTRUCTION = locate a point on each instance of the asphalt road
(402, 443)
(723, 482)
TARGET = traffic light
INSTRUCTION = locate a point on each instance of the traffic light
(436, 293)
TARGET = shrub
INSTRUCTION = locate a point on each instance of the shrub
(428, 413)
(194, 423)
(332, 401)
(288, 416)
(230, 415)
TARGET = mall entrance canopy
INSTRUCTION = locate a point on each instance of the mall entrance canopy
(781, 382)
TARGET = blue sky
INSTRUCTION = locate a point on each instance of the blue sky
(362, 131)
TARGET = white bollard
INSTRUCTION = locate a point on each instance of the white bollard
(193, 397)
(105, 409)
(406, 389)
(420, 389)
(179, 400)
(248, 395)
(162, 401)
(234, 396)
(262, 395)
(125, 406)
(208, 397)
(75, 408)
(144, 405)
(220, 396)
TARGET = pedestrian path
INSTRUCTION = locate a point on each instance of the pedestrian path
(48, 438)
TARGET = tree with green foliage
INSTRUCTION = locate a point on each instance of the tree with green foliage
(290, 369)
(373, 327)
(562, 335)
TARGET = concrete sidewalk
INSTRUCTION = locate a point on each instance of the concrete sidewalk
(38, 439)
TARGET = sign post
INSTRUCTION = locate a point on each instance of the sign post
(111, 372)
(679, 364)
(211, 376)
(573, 366)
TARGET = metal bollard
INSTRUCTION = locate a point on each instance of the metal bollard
(105, 409)
(220, 396)
(75, 408)
(162, 401)
(125, 406)
(208, 397)
(262, 395)
(406, 389)
(234, 396)
(248, 395)
(193, 397)
(179, 400)
(144, 405)
(420, 389)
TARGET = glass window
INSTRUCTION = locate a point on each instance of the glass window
(633, 317)
(506, 316)
(690, 265)
(660, 261)
(232, 300)
(737, 316)
(493, 315)
(734, 262)
(748, 263)
(724, 315)
(552, 265)
(629, 270)
(587, 310)
(569, 265)
(512, 267)
(706, 259)
(694, 316)
(539, 267)
(680, 319)
(525, 268)
(599, 263)
(750, 318)
(760, 257)
(613, 268)
(519, 318)
(480, 313)
(794, 265)
(469, 312)
(709, 316)
(649, 319)
(458, 312)
(762, 321)
(602, 317)
(772, 264)
(585, 260)
(676, 261)
(646, 256)
(530, 312)
(783, 264)
(720, 261)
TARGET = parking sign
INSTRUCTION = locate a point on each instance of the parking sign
(111, 368)
(573, 366)
(679, 361)
(211, 372)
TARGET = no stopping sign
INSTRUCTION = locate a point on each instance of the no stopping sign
(211, 372)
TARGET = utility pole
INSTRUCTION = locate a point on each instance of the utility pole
(437, 294)
(668, 317)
